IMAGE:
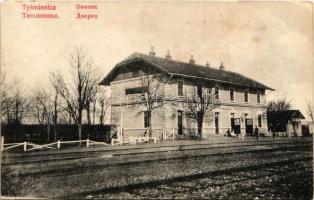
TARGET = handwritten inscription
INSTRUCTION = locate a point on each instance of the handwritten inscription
(86, 11)
(39, 11)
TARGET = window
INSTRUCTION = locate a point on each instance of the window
(246, 96)
(146, 118)
(199, 91)
(216, 93)
(180, 88)
(231, 94)
(136, 90)
(258, 97)
(259, 120)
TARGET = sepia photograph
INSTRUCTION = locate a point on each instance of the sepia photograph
(156, 99)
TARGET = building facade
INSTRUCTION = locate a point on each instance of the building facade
(239, 102)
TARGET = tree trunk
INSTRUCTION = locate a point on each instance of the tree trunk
(70, 119)
(150, 128)
(79, 127)
(294, 128)
(94, 112)
(55, 119)
(48, 132)
(88, 115)
(16, 114)
(55, 132)
(101, 117)
(200, 127)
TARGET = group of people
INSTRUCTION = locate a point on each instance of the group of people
(233, 134)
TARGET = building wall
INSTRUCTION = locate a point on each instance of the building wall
(133, 114)
(167, 116)
(298, 128)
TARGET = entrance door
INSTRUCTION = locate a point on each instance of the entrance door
(216, 123)
(236, 125)
(249, 126)
(180, 122)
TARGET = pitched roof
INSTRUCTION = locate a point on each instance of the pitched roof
(285, 114)
(189, 70)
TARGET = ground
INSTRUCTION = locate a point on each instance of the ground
(292, 181)
(258, 173)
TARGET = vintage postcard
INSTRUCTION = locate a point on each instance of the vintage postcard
(156, 99)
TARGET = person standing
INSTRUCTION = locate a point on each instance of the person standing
(256, 132)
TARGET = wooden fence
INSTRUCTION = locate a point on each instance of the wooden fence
(55, 145)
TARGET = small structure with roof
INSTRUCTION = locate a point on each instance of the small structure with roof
(286, 121)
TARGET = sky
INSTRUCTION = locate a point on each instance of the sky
(271, 42)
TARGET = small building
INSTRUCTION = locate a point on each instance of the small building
(242, 103)
(286, 121)
(307, 128)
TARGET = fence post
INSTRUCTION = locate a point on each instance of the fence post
(25, 146)
(2, 143)
(172, 134)
(87, 143)
(58, 144)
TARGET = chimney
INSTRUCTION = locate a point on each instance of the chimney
(222, 67)
(168, 57)
(207, 64)
(152, 52)
(192, 61)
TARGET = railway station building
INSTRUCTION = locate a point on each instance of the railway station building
(241, 100)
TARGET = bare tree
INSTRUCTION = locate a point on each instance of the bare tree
(101, 106)
(280, 104)
(309, 110)
(4, 97)
(18, 104)
(198, 104)
(91, 99)
(42, 106)
(45, 109)
(78, 91)
(151, 96)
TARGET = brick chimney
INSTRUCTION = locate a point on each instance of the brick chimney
(192, 61)
(207, 64)
(222, 67)
(168, 57)
(152, 52)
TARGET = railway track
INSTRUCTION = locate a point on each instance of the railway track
(152, 184)
(54, 156)
(127, 172)
(76, 164)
